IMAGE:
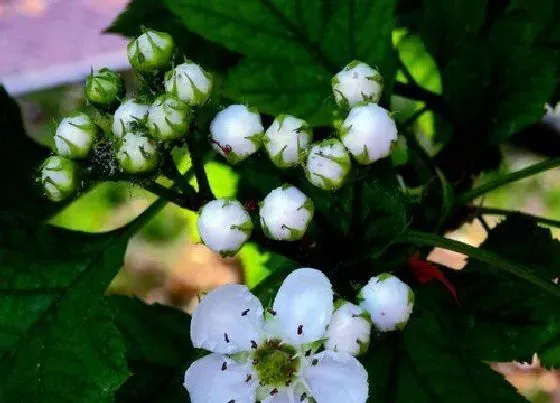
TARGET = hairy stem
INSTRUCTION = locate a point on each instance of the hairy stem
(516, 270)
(472, 194)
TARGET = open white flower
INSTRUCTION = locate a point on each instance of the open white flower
(388, 300)
(349, 330)
(357, 82)
(272, 360)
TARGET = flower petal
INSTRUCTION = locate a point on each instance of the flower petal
(227, 320)
(304, 306)
(283, 396)
(209, 380)
(336, 377)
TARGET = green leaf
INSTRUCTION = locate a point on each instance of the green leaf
(504, 318)
(316, 37)
(158, 350)
(154, 14)
(428, 363)
(20, 156)
(57, 340)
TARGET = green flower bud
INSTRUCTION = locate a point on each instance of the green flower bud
(168, 118)
(58, 177)
(150, 51)
(137, 153)
(189, 82)
(328, 164)
(74, 136)
(104, 88)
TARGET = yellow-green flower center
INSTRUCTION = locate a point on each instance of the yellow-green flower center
(276, 363)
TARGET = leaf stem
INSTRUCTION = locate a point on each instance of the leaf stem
(516, 270)
(506, 179)
(205, 192)
(496, 211)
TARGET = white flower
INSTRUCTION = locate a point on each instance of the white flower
(368, 133)
(128, 117)
(349, 330)
(357, 82)
(286, 213)
(236, 133)
(59, 177)
(189, 82)
(272, 360)
(137, 153)
(328, 164)
(168, 118)
(150, 51)
(287, 140)
(74, 136)
(224, 226)
(104, 87)
(388, 300)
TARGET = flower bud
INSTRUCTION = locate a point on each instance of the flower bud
(137, 153)
(58, 177)
(104, 88)
(189, 82)
(150, 51)
(74, 136)
(389, 302)
(129, 117)
(168, 118)
(236, 133)
(357, 82)
(368, 133)
(287, 140)
(328, 164)
(286, 213)
(224, 226)
(349, 330)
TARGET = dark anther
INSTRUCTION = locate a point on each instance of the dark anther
(300, 330)
(253, 344)
(273, 392)
(226, 338)
(245, 312)
(224, 366)
(271, 311)
(303, 397)
(308, 353)
(232, 401)
(315, 361)
(248, 378)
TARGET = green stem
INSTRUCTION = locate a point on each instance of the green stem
(432, 100)
(409, 77)
(204, 190)
(517, 270)
(497, 211)
(170, 195)
(506, 179)
(145, 216)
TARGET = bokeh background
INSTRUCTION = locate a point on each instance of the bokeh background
(47, 49)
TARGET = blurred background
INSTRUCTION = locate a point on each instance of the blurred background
(48, 48)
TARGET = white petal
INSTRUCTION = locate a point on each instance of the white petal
(304, 306)
(209, 380)
(227, 320)
(283, 396)
(336, 377)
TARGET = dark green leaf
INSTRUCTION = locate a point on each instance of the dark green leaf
(158, 351)
(57, 340)
(316, 38)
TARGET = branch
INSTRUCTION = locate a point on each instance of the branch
(472, 194)
(205, 192)
(497, 211)
(516, 270)
(432, 100)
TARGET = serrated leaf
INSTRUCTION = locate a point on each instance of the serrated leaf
(316, 37)
(158, 350)
(57, 340)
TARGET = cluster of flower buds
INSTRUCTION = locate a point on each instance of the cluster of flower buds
(134, 127)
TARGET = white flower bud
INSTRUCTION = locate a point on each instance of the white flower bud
(58, 177)
(74, 136)
(137, 153)
(287, 140)
(104, 88)
(128, 117)
(236, 133)
(224, 226)
(150, 51)
(328, 164)
(168, 118)
(357, 82)
(388, 300)
(286, 213)
(349, 330)
(368, 133)
(189, 82)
